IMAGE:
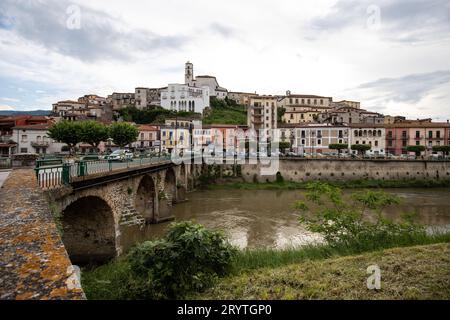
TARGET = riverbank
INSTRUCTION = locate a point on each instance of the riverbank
(347, 184)
(114, 281)
(406, 273)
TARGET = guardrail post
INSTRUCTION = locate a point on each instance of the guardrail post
(110, 164)
(81, 168)
(66, 173)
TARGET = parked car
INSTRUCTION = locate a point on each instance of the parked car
(121, 155)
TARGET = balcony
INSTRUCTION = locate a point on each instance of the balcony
(419, 137)
(6, 138)
(40, 144)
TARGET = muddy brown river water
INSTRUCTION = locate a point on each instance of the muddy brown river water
(266, 218)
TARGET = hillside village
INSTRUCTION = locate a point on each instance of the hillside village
(200, 111)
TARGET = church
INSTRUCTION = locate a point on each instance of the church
(215, 90)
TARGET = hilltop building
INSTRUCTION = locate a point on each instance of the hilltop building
(215, 90)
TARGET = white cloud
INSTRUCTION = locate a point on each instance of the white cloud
(253, 45)
(3, 107)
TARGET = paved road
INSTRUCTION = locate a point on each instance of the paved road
(3, 176)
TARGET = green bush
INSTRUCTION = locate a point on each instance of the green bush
(356, 222)
(189, 258)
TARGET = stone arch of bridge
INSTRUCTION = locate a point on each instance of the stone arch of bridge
(145, 200)
(89, 230)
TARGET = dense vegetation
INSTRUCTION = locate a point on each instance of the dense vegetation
(221, 112)
(156, 115)
(226, 112)
(73, 132)
(191, 259)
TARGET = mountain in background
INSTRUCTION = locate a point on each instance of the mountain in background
(21, 113)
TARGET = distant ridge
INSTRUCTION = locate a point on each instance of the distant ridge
(22, 113)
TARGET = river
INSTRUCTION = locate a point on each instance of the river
(266, 218)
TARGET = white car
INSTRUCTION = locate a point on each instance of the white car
(121, 155)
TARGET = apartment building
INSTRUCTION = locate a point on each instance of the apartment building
(367, 134)
(314, 138)
(425, 133)
(347, 103)
(183, 97)
(34, 139)
(7, 144)
(147, 97)
(262, 113)
(350, 115)
(303, 108)
(173, 138)
(148, 139)
(120, 100)
(242, 98)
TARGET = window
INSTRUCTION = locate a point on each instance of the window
(376, 143)
(430, 134)
(23, 150)
(438, 134)
(417, 143)
(417, 134)
(24, 138)
(319, 141)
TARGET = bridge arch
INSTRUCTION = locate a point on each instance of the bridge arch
(89, 230)
(170, 185)
(145, 201)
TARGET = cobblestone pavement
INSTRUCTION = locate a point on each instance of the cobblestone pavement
(33, 261)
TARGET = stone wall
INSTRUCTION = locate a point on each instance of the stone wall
(33, 261)
(300, 170)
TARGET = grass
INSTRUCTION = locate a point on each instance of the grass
(249, 260)
(348, 184)
(420, 272)
(230, 115)
(113, 281)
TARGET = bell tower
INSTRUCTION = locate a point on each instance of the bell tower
(189, 74)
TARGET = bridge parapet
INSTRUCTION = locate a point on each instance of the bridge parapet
(34, 263)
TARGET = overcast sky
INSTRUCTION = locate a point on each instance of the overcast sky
(393, 56)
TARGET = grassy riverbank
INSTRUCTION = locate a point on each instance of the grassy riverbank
(115, 280)
(347, 184)
(420, 272)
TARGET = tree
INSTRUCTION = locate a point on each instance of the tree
(361, 148)
(123, 133)
(416, 149)
(283, 145)
(444, 149)
(354, 221)
(68, 132)
(93, 133)
(338, 146)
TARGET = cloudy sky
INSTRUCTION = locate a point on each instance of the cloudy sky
(393, 56)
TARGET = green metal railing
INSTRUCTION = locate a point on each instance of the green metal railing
(52, 175)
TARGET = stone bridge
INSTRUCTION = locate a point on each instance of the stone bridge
(103, 215)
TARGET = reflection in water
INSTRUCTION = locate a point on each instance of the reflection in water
(265, 218)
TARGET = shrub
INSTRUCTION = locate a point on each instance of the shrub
(189, 258)
(357, 223)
